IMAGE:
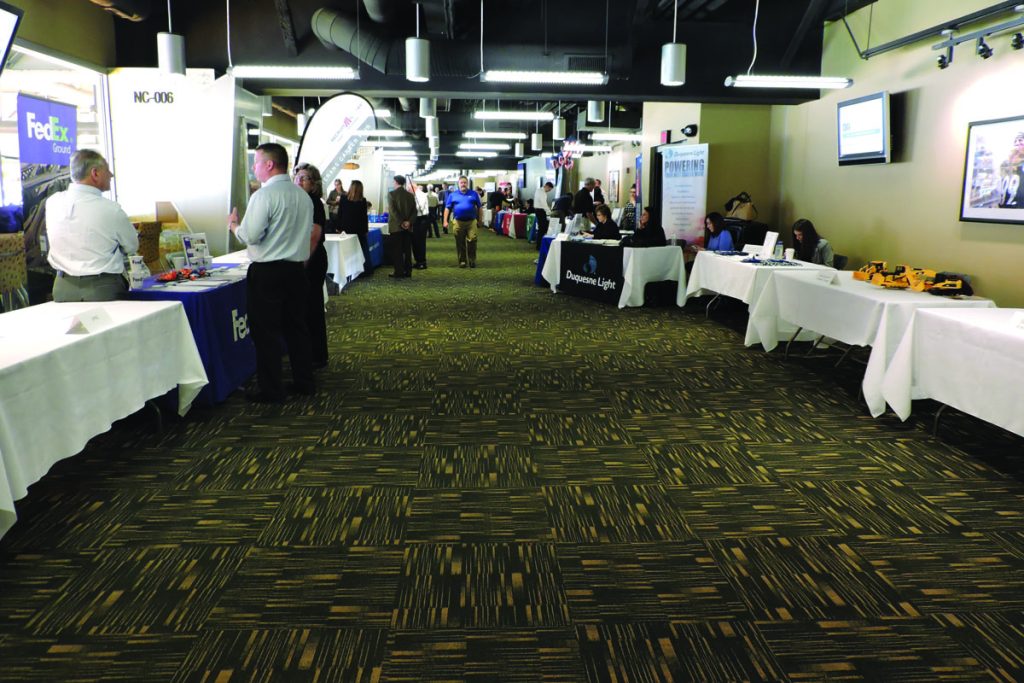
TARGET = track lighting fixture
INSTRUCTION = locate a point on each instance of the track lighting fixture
(983, 49)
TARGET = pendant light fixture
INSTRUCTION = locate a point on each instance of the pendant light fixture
(428, 107)
(537, 138)
(750, 80)
(432, 128)
(595, 111)
(170, 49)
(673, 55)
(417, 55)
(558, 125)
(520, 150)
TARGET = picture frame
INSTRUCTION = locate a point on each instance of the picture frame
(993, 180)
(613, 186)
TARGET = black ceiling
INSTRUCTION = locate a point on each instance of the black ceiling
(621, 37)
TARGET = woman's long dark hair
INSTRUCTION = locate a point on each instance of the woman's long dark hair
(717, 220)
(810, 240)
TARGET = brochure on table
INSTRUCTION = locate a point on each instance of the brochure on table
(768, 250)
(197, 252)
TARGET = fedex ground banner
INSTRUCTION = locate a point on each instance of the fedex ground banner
(684, 191)
(593, 271)
(47, 131)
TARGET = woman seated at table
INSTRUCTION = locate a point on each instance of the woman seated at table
(719, 237)
(810, 246)
(606, 228)
(647, 233)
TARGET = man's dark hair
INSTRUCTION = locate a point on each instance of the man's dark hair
(400, 180)
(549, 184)
(276, 153)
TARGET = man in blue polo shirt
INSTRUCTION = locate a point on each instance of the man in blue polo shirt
(463, 206)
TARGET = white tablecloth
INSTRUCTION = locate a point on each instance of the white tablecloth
(383, 227)
(850, 311)
(59, 390)
(729, 276)
(639, 267)
(241, 256)
(651, 264)
(344, 258)
(971, 359)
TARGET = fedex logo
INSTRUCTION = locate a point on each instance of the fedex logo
(51, 131)
(239, 325)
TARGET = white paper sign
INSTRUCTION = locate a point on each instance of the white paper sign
(90, 321)
(1017, 321)
(768, 250)
(829, 276)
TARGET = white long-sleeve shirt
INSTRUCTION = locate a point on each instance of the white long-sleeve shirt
(87, 232)
(278, 222)
(422, 203)
(540, 200)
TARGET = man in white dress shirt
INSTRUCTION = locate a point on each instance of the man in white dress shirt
(276, 229)
(88, 234)
(542, 207)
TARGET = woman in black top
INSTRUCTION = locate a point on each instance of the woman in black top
(648, 233)
(606, 228)
(352, 216)
(307, 177)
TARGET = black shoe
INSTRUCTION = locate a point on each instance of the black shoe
(472, 264)
(396, 275)
(301, 389)
(420, 266)
(262, 397)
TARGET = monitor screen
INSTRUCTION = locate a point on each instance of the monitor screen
(863, 130)
(10, 17)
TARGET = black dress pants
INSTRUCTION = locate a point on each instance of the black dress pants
(433, 222)
(277, 309)
(400, 243)
(420, 229)
(542, 225)
(316, 320)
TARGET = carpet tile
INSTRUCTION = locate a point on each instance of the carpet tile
(497, 483)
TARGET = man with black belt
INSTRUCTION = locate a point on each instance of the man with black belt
(88, 234)
(583, 203)
(401, 216)
(464, 208)
(276, 229)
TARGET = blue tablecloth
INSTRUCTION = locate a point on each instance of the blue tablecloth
(219, 321)
(499, 218)
(375, 244)
(545, 245)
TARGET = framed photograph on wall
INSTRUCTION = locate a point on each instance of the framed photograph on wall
(993, 189)
(613, 186)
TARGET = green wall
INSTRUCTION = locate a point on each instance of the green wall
(738, 139)
(76, 28)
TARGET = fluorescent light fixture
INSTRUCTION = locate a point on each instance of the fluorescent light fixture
(482, 154)
(495, 136)
(557, 77)
(513, 115)
(484, 145)
(386, 143)
(382, 113)
(400, 153)
(588, 148)
(384, 133)
(812, 82)
(618, 137)
(320, 73)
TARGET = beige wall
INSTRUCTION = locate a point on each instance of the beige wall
(738, 138)
(659, 116)
(622, 158)
(907, 211)
(75, 28)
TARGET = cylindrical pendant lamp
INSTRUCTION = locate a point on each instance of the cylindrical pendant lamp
(428, 107)
(170, 53)
(673, 64)
(595, 111)
(520, 150)
(537, 141)
(433, 128)
(300, 123)
(417, 59)
(558, 129)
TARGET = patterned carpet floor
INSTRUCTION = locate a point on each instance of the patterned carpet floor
(495, 483)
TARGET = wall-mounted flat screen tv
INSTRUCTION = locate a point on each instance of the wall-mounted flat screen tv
(863, 130)
(10, 17)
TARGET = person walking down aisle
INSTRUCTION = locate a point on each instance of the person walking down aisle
(401, 216)
(276, 232)
(308, 178)
(464, 208)
(432, 202)
(88, 234)
(420, 227)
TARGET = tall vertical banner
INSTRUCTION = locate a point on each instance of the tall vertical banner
(335, 133)
(47, 136)
(684, 191)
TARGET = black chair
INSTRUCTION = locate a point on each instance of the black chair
(839, 261)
